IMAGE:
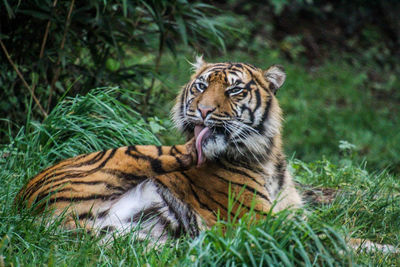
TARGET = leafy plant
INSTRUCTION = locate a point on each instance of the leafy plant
(69, 47)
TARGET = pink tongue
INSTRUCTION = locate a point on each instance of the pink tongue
(200, 133)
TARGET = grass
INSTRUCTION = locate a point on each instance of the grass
(367, 204)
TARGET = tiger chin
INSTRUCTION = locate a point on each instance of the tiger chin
(232, 121)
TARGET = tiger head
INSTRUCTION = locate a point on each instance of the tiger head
(231, 110)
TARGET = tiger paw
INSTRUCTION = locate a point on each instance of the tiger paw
(190, 155)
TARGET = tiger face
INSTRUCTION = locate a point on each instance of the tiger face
(230, 109)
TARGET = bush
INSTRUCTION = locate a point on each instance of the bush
(69, 47)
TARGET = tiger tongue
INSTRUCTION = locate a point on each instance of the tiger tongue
(200, 133)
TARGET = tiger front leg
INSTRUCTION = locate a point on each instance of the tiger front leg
(156, 160)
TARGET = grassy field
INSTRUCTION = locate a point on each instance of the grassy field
(334, 139)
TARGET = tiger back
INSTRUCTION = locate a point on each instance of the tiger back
(232, 119)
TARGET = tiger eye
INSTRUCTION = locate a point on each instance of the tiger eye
(200, 86)
(235, 91)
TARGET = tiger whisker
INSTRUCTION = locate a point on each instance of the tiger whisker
(227, 127)
(243, 137)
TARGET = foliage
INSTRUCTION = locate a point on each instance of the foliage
(69, 47)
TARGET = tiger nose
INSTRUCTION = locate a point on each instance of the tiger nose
(205, 110)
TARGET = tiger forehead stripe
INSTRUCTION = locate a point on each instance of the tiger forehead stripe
(235, 77)
(232, 75)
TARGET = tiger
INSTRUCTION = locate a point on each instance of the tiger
(232, 122)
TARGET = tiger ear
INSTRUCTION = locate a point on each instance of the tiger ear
(198, 64)
(276, 76)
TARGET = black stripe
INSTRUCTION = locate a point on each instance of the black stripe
(99, 156)
(173, 151)
(159, 150)
(103, 197)
(124, 175)
(173, 207)
(202, 205)
(213, 70)
(238, 171)
(221, 117)
(251, 95)
(247, 187)
(258, 99)
(279, 174)
(51, 179)
(180, 210)
(182, 101)
(129, 149)
(244, 108)
(260, 126)
(273, 88)
(146, 215)
(249, 66)
(70, 175)
(108, 185)
(60, 188)
(235, 73)
(210, 196)
(225, 77)
(236, 114)
(181, 165)
(194, 230)
(86, 215)
(92, 161)
(85, 173)
(41, 201)
(226, 65)
(44, 182)
(156, 164)
(53, 173)
(61, 162)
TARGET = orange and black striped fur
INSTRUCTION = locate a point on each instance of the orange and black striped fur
(231, 116)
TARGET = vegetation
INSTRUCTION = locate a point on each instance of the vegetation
(70, 47)
(340, 100)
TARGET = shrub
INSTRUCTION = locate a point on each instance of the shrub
(69, 47)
